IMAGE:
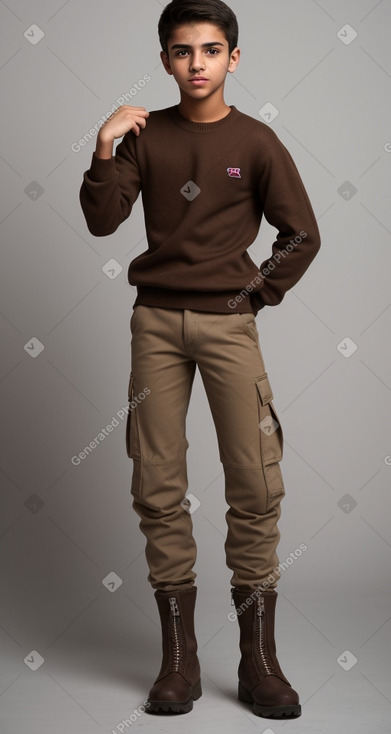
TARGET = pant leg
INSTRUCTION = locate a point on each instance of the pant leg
(156, 441)
(250, 440)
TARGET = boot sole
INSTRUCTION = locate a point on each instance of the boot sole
(177, 707)
(268, 712)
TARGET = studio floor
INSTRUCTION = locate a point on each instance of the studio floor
(95, 677)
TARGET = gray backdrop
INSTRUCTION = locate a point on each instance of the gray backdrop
(79, 630)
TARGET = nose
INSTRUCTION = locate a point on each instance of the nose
(197, 63)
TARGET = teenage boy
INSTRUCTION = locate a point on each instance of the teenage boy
(207, 173)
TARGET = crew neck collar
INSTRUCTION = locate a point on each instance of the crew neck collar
(203, 127)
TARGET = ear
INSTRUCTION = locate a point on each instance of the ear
(234, 60)
(166, 62)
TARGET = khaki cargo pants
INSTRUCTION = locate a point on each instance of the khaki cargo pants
(166, 347)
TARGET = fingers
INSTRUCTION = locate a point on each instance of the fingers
(125, 118)
(139, 122)
(140, 110)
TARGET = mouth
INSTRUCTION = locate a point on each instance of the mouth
(198, 80)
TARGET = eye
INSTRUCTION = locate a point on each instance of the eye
(179, 53)
(215, 51)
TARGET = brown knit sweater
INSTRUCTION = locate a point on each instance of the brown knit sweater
(205, 188)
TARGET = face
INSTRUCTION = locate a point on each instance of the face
(198, 59)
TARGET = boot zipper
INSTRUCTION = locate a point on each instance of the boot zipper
(175, 619)
(261, 632)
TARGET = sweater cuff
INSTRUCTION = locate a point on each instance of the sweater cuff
(102, 169)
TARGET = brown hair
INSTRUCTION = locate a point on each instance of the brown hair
(180, 12)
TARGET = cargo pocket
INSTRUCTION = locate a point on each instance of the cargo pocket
(129, 417)
(133, 442)
(271, 437)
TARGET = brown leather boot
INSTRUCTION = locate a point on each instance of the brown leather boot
(178, 683)
(261, 680)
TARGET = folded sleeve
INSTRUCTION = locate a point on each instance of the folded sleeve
(110, 187)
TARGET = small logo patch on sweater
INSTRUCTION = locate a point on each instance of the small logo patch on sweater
(234, 172)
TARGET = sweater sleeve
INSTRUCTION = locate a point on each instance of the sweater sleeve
(286, 207)
(109, 189)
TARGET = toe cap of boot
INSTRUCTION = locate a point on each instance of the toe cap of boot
(272, 691)
(171, 688)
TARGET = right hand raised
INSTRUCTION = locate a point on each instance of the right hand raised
(125, 118)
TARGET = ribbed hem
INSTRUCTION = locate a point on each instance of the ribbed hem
(214, 302)
(203, 127)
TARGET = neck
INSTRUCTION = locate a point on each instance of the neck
(204, 110)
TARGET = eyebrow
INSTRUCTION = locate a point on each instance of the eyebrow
(204, 45)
